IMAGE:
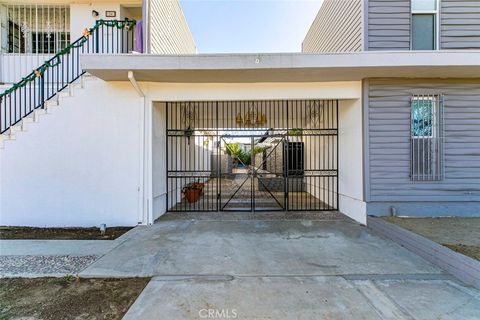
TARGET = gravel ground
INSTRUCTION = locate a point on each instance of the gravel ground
(43, 265)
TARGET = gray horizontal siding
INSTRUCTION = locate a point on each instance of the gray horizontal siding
(460, 24)
(336, 28)
(389, 140)
(426, 209)
(388, 25)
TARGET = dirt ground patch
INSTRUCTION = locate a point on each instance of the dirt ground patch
(61, 298)
(61, 233)
(459, 234)
(471, 251)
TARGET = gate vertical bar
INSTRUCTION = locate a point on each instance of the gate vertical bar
(285, 157)
(252, 174)
(167, 154)
(337, 154)
(218, 150)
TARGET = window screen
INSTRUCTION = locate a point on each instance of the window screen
(426, 132)
(423, 31)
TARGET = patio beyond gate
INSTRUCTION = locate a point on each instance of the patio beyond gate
(251, 156)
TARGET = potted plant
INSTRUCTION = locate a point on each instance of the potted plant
(234, 151)
(199, 185)
(295, 132)
(193, 191)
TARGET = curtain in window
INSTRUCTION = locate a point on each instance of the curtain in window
(139, 37)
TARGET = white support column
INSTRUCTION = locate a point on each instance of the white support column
(147, 163)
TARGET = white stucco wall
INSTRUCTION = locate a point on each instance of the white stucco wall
(351, 160)
(83, 164)
(159, 158)
(79, 165)
(81, 15)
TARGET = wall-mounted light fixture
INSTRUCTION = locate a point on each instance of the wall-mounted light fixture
(95, 13)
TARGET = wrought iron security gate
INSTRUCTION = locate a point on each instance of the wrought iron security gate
(252, 155)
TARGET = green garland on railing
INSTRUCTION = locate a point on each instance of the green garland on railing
(120, 24)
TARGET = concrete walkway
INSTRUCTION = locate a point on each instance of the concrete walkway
(55, 247)
(311, 297)
(281, 270)
(52, 258)
(257, 248)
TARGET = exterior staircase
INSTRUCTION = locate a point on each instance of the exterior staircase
(49, 107)
(44, 89)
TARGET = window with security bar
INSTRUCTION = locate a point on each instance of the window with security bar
(426, 146)
(35, 29)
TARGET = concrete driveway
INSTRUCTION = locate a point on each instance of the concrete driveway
(300, 269)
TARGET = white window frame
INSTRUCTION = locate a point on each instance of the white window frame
(436, 16)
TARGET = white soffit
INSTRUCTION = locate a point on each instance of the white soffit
(284, 67)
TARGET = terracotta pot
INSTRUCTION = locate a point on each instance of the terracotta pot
(192, 195)
(199, 186)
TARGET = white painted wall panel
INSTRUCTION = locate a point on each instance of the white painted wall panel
(169, 32)
(159, 158)
(350, 156)
(81, 16)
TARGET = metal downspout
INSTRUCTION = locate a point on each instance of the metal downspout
(144, 206)
(134, 83)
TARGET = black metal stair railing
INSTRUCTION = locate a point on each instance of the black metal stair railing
(43, 83)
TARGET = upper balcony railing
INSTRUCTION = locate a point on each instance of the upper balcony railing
(43, 83)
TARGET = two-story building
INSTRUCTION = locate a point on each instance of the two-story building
(421, 131)
(377, 115)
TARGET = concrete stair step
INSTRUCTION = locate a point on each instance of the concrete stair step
(4, 137)
(37, 113)
(50, 105)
